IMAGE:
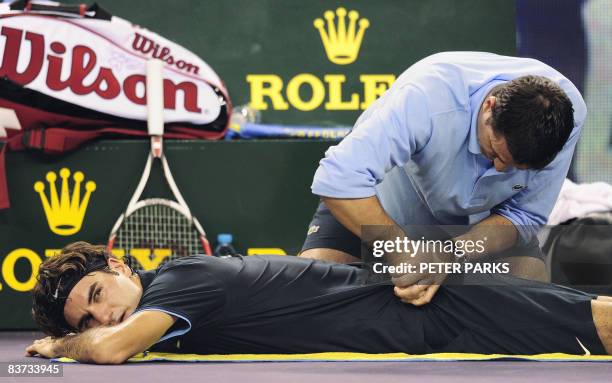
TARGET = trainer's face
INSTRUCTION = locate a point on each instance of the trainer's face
(102, 298)
(493, 145)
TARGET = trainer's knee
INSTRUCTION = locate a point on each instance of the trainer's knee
(330, 255)
(527, 267)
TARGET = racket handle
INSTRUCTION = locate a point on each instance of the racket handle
(155, 97)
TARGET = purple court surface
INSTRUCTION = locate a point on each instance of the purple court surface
(13, 344)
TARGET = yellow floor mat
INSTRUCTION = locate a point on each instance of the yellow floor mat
(355, 357)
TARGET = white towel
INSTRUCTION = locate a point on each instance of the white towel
(577, 200)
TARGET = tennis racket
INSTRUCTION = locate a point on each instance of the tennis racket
(153, 231)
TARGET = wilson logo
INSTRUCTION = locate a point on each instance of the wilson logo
(64, 211)
(83, 68)
(150, 48)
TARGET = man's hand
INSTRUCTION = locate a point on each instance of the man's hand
(107, 344)
(420, 293)
(417, 295)
(419, 288)
(45, 347)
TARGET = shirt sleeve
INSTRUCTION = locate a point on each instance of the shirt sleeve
(397, 127)
(186, 290)
(529, 209)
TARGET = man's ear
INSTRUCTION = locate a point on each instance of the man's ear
(490, 103)
(118, 265)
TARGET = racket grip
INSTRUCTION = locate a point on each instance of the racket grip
(155, 97)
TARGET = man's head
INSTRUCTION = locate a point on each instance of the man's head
(82, 287)
(524, 123)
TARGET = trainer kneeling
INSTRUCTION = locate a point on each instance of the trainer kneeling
(461, 138)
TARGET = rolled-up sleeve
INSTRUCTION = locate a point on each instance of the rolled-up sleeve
(529, 209)
(384, 137)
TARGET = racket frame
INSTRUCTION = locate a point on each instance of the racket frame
(155, 123)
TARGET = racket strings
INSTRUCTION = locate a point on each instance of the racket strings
(156, 228)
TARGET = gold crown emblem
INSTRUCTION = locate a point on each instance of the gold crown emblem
(341, 43)
(65, 213)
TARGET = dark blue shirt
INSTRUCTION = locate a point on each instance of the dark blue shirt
(275, 304)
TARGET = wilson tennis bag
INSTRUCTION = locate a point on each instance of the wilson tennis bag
(71, 73)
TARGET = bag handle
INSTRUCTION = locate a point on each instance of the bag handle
(58, 9)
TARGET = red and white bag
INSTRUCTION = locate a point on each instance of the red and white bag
(71, 73)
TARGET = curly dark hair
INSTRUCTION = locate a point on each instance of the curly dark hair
(56, 278)
(535, 116)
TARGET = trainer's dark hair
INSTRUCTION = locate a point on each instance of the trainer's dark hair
(535, 116)
(57, 276)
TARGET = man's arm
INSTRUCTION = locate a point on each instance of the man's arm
(356, 213)
(386, 135)
(500, 234)
(416, 288)
(108, 345)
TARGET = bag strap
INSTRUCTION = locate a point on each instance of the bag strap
(4, 147)
(4, 197)
(60, 140)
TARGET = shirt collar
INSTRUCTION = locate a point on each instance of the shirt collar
(146, 277)
(476, 100)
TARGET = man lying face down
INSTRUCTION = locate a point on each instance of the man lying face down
(97, 310)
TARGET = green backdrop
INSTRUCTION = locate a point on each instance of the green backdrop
(258, 190)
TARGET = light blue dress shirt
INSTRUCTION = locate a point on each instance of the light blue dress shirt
(417, 149)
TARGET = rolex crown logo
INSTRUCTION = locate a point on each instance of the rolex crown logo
(65, 213)
(341, 43)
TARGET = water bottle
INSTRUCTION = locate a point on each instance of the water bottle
(224, 246)
(241, 114)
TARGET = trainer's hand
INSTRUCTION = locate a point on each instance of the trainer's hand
(44, 347)
(417, 295)
(419, 288)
